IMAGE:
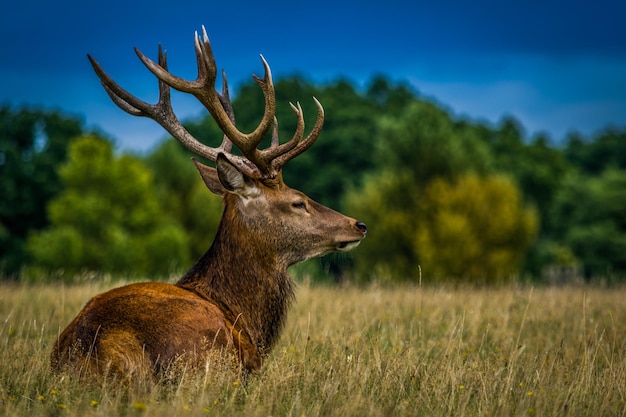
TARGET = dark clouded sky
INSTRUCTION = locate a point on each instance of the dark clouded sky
(557, 66)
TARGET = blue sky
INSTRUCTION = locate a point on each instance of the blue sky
(557, 66)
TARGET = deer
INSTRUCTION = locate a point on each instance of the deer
(234, 299)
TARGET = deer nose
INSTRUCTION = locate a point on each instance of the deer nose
(362, 227)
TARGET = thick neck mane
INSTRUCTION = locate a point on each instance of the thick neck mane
(242, 276)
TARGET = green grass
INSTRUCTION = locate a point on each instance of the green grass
(345, 351)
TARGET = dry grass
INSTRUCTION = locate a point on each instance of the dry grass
(358, 352)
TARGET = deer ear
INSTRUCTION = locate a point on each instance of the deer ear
(233, 180)
(210, 177)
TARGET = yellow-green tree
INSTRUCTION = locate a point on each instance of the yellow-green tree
(475, 230)
(108, 219)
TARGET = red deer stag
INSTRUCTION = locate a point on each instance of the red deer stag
(235, 298)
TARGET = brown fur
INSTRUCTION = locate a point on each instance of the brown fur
(235, 298)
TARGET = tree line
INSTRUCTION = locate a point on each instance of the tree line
(445, 198)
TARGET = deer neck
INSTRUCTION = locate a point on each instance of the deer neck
(249, 283)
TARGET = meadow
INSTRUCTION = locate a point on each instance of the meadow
(353, 351)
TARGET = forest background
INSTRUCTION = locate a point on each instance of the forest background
(445, 198)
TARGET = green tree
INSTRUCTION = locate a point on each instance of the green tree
(589, 215)
(32, 144)
(536, 165)
(108, 219)
(425, 141)
(605, 150)
(389, 98)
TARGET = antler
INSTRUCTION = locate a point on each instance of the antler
(260, 163)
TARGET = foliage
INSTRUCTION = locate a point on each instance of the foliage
(475, 230)
(424, 140)
(589, 215)
(537, 167)
(382, 148)
(346, 351)
(32, 145)
(606, 150)
(108, 218)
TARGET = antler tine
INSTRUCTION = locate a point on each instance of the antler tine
(161, 112)
(276, 149)
(275, 140)
(227, 144)
(301, 145)
(122, 98)
(267, 86)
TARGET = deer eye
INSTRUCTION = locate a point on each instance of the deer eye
(299, 205)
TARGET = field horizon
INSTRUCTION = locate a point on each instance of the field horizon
(355, 351)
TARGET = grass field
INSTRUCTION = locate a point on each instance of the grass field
(346, 351)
